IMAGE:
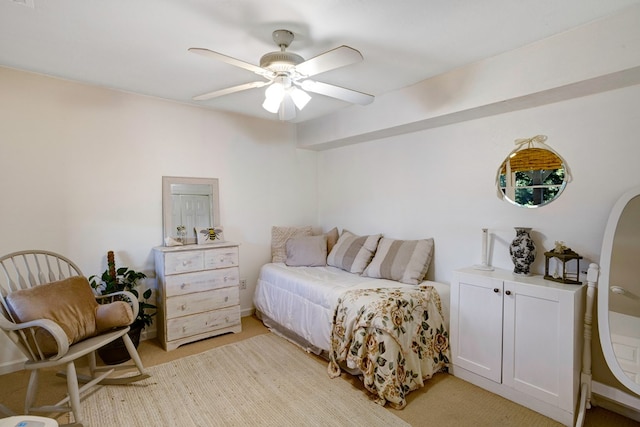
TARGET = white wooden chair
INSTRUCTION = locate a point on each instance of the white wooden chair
(29, 269)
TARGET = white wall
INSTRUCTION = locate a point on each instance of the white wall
(81, 168)
(440, 183)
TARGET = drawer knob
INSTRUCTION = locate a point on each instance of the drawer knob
(226, 299)
(496, 290)
(226, 319)
(184, 285)
(221, 259)
(183, 307)
(225, 278)
(508, 292)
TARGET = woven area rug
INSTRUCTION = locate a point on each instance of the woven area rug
(261, 381)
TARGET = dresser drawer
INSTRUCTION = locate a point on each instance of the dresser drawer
(221, 257)
(181, 262)
(186, 326)
(200, 281)
(199, 302)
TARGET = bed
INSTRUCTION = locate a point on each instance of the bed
(393, 335)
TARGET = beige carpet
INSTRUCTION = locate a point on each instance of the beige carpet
(445, 401)
(264, 380)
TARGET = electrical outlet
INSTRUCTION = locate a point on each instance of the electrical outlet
(243, 283)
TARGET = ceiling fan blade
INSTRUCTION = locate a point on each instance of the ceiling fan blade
(229, 90)
(330, 60)
(233, 61)
(287, 109)
(338, 92)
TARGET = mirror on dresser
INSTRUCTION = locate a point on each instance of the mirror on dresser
(619, 291)
(188, 203)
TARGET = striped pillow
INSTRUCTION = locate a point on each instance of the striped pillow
(405, 261)
(353, 253)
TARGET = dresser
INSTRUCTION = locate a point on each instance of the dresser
(198, 292)
(519, 337)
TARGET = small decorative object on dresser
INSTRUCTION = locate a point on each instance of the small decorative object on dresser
(522, 251)
(563, 255)
(485, 252)
(209, 235)
(198, 292)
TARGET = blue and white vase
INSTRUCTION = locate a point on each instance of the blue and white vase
(522, 251)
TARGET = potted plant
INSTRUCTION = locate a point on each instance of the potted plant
(123, 279)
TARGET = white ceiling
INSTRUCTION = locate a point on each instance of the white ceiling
(141, 45)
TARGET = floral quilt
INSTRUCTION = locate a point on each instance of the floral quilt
(395, 336)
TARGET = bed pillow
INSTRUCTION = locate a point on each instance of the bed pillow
(308, 251)
(279, 237)
(353, 253)
(332, 237)
(405, 261)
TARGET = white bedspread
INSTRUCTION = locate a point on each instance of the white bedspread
(303, 299)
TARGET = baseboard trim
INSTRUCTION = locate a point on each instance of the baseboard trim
(12, 366)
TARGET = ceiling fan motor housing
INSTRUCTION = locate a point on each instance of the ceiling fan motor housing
(280, 61)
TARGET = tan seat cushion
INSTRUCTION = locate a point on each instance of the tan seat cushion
(71, 304)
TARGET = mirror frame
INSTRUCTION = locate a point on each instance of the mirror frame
(603, 290)
(168, 228)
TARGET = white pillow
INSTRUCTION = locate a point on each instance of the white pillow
(405, 261)
(309, 251)
(352, 252)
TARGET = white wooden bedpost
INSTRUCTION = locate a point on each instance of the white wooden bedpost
(585, 375)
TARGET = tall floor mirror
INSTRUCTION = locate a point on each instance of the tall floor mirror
(619, 292)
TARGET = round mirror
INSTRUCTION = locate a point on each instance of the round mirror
(532, 177)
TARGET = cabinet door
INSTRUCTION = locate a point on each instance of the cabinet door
(538, 342)
(476, 325)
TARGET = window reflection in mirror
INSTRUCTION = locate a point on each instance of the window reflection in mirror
(532, 177)
(187, 204)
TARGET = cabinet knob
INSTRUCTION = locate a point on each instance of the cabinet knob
(226, 299)
(221, 259)
(496, 290)
(225, 278)
(183, 307)
(184, 285)
(508, 292)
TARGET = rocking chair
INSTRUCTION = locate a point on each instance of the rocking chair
(42, 280)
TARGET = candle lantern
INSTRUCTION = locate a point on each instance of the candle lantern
(563, 255)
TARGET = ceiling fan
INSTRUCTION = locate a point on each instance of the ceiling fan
(287, 76)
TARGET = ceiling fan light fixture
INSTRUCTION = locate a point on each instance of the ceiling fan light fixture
(275, 91)
(300, 97)
(272, 104)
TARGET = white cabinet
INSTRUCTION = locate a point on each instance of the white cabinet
(519, 337)
(198, 292)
